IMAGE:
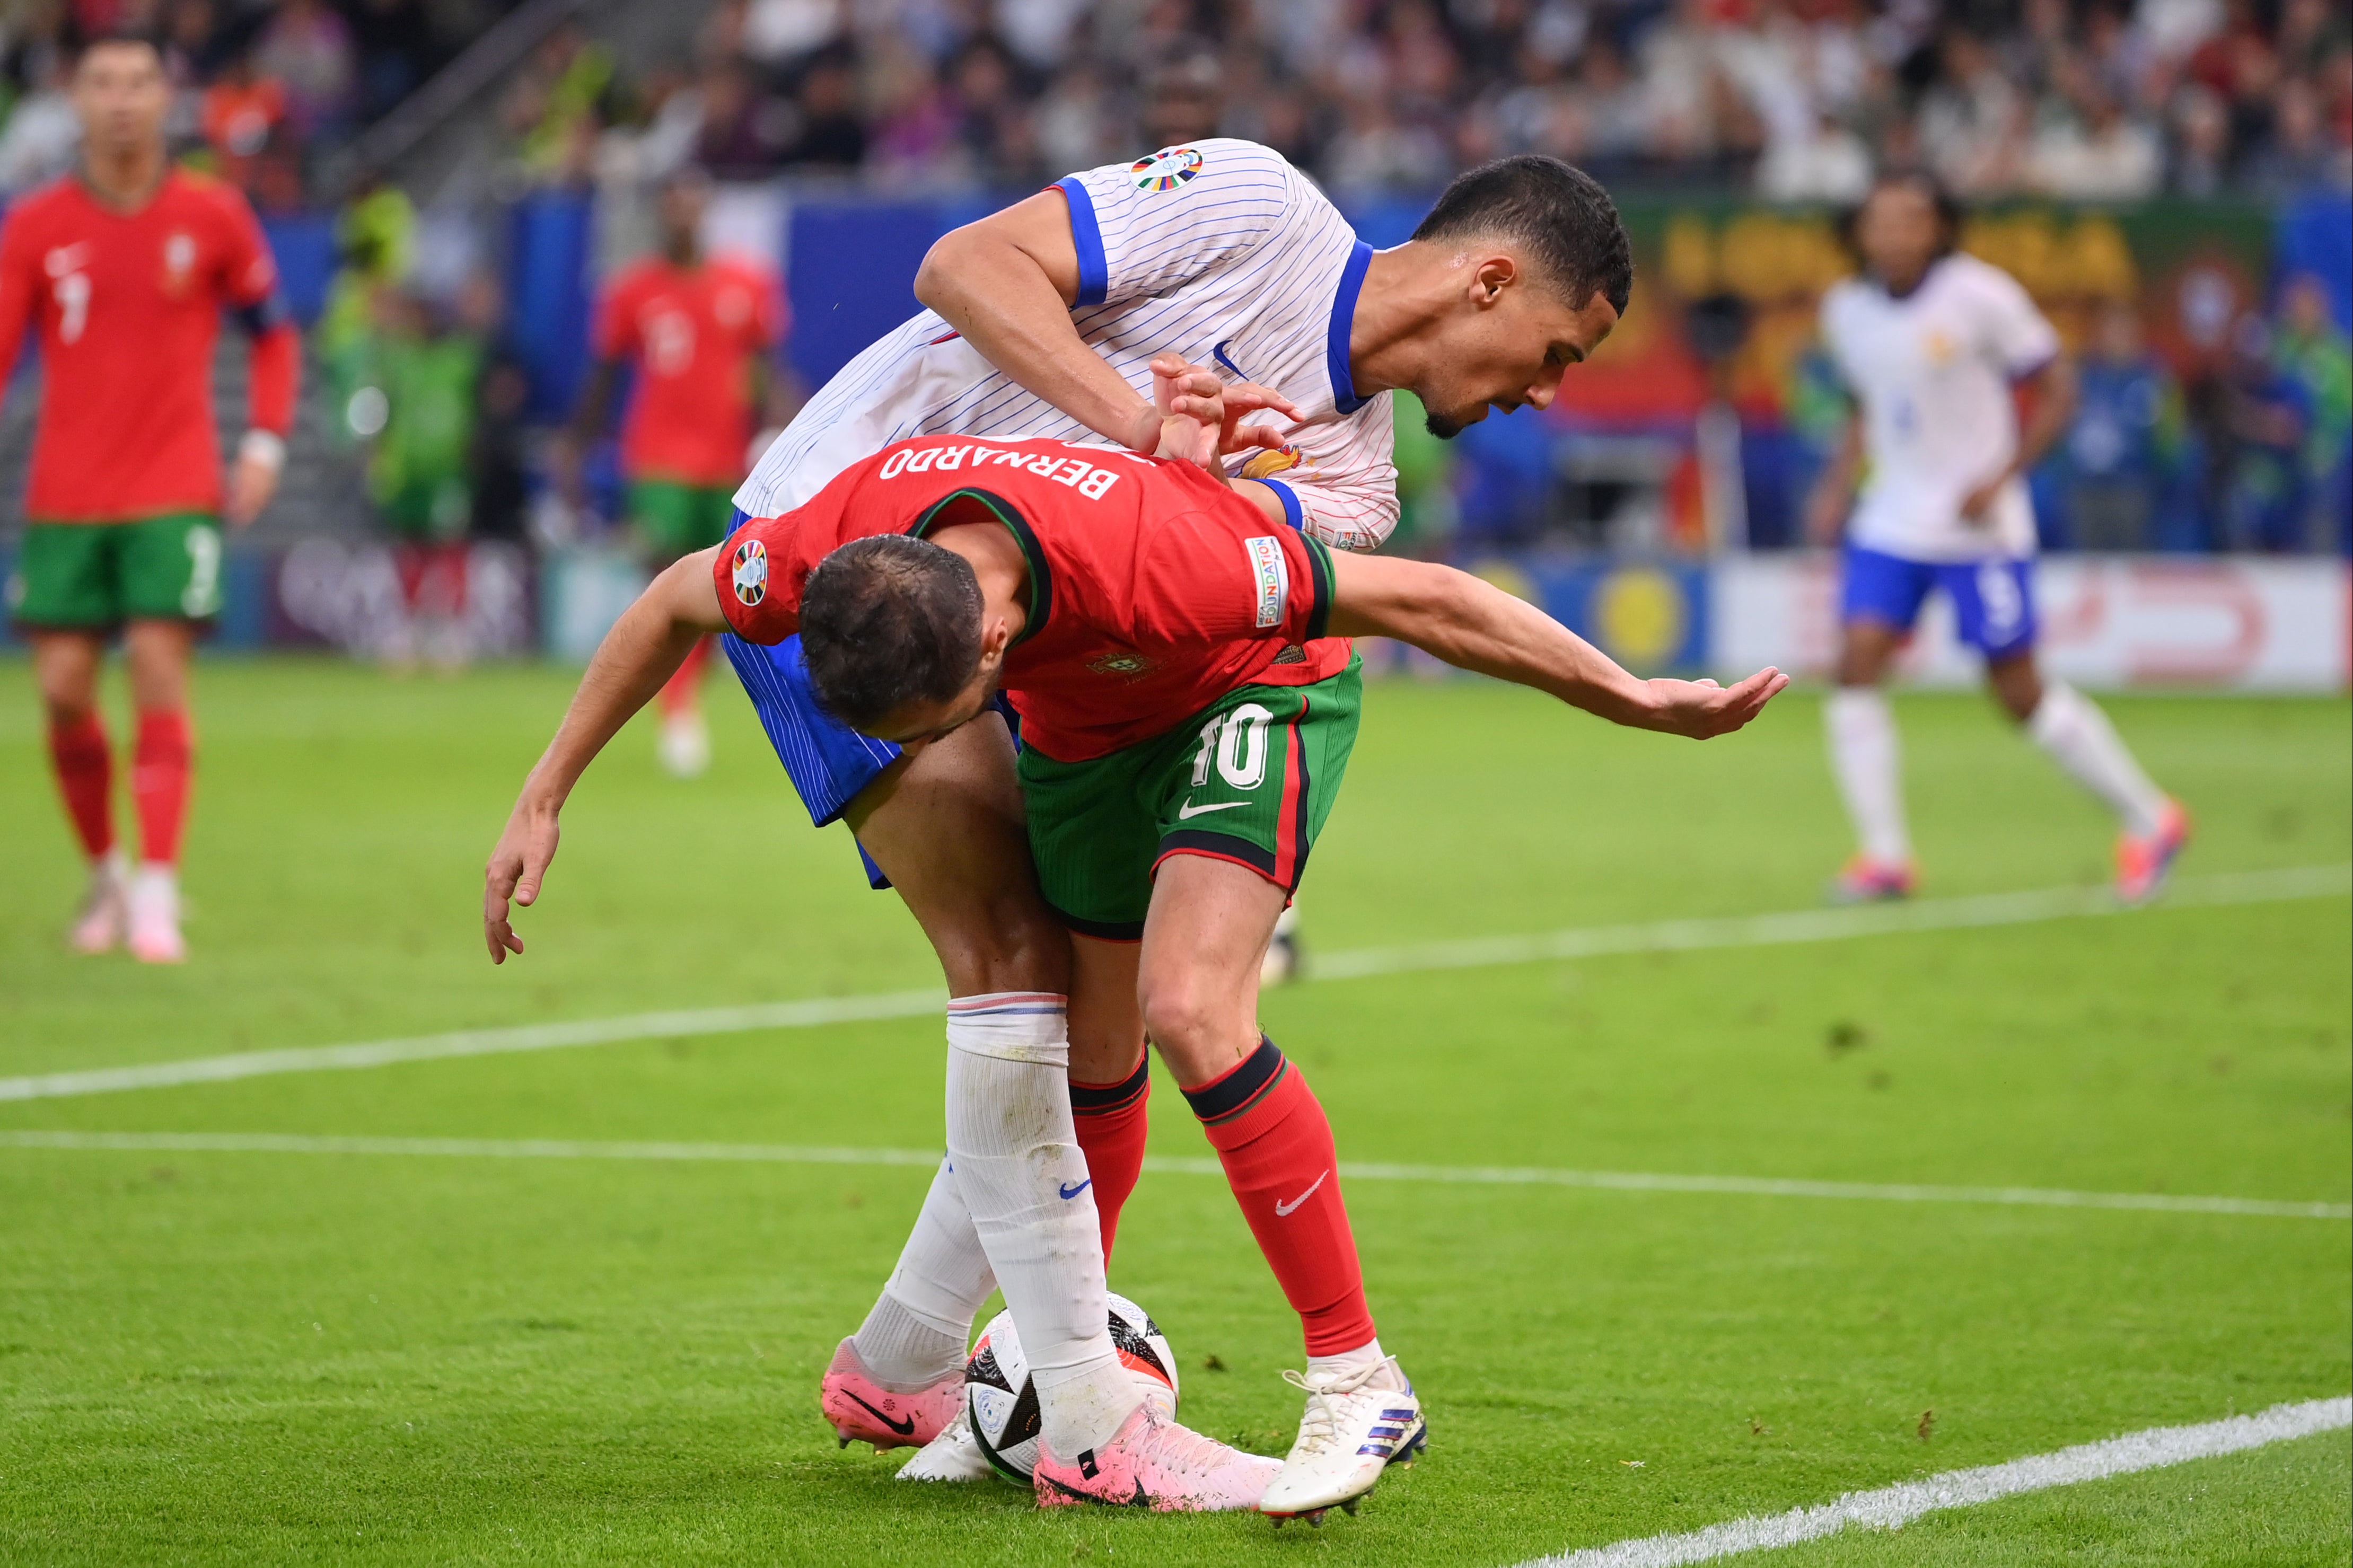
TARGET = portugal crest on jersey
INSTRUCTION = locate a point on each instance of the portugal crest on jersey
(751, 573)
(1167, 169)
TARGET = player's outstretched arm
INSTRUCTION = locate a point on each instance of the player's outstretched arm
(644, 648)
(1476, 625)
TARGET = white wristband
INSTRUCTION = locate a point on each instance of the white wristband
(264, 447)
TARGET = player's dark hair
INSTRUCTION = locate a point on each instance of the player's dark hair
(118, 37)
(1949, 210)
(1558, 212)
(888, 621)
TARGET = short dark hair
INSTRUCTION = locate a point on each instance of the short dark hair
(1567, 223)
(1949, 210)
(888, 621)
(118, 37)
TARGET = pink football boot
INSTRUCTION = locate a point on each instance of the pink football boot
(2142, 864)
(861, 1410)
(1863, 880)
(1151, 1462)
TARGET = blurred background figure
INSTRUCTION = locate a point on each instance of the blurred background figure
(427, 367)
(695, 334)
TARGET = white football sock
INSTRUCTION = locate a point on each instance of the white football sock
(2071, 726)
(1866, 759)
(922, 1323)
(1015, 1153)
(1368, 1355)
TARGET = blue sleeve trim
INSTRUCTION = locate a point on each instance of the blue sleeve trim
(1291, 513)
(1344, 316)
(1094, 275)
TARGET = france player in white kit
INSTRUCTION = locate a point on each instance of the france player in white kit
(1043, 320)
(1931, 344)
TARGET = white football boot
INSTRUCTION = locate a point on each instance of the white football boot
(99, 927)
(155, 916)
(953, 1456)
(1357, 1423)
(685, 745)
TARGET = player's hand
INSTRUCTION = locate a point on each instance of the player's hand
(518, 864)
(1245, 397)
(1825, 516)
(252, 481)
(1974, 505)
(1701, 708)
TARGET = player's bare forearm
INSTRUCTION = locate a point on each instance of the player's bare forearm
(1475, 625)
(644, 648)
(1833, 492)
(2055, 387)
(1007, 284)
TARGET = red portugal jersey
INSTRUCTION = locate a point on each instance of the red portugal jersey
(691, 332)
(1154, 589)
(128, 307)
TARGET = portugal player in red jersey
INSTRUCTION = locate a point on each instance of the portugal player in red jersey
(125, 268)
(696, 331)
(1189, 699)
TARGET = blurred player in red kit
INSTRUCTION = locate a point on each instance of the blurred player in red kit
(125, 268)
(697, 331)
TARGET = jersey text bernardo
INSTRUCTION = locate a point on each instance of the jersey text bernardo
(1154, 589)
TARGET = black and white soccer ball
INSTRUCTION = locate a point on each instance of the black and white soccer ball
(1002, 1403)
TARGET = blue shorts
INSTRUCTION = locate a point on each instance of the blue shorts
(827, 761)
(1993, 600)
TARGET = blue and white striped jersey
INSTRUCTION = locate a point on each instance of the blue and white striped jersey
(1222, 252)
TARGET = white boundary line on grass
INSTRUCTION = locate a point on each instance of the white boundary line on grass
(1491, 1175)
(1592, 942)
(1892, 1508)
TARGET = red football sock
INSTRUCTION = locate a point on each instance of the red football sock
(678, 693)
(1112, 1124)
(1276, 1145)
(84, 764)
(160, 771)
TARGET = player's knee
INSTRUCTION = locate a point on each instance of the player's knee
(1184, 1015)
(1007, 946)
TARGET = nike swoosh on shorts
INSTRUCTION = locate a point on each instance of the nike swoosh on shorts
(1189, 810)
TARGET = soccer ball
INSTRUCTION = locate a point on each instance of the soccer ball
(1003, 1404)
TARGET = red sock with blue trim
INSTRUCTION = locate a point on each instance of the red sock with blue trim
(1112, 1123)
(1276, 1142)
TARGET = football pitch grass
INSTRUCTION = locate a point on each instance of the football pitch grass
(280, 1355)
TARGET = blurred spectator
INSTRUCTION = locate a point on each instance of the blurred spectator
(308, 49)
(43, 135)
(420, 467)
(243, 121)
(395, 49)
(2119, 461)
(2265, 417)
(1824, 162)
(2312, 351)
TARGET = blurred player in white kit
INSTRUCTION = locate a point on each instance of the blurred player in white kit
(1931, 344)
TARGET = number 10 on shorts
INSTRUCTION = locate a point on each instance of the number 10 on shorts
(1237, 741)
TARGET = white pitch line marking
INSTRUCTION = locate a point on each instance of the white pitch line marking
(1892, 1508)
(1529, 1176)
(1592, 942)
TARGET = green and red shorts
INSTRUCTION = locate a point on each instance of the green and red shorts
(94, 576)
(1248, 779)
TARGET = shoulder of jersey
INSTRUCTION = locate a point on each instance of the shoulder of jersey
(42, 200)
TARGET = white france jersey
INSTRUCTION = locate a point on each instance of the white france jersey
(1933, 372)
(1220, 251)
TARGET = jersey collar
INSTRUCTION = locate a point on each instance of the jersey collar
(1343, 317)
(1042, 572)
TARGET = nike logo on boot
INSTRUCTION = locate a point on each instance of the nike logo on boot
(905, 1429)
(1285, 1210)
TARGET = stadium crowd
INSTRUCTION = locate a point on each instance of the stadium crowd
(263, 90)
(1792, 99)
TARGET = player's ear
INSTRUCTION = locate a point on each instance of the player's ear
(1493, 277)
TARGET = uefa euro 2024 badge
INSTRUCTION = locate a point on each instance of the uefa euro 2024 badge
(1167, 169)
(751, 572)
